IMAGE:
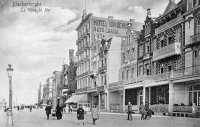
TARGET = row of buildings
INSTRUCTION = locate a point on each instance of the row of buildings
(159, 64)
(60, 86)
(119, 61)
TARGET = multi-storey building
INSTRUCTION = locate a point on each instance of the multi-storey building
(192, 51)
(91, 65)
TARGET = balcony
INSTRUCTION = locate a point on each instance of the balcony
(167, 51)
(169, 24)
(146, 56)
(194, 40)
(81, 90)
(102, 69)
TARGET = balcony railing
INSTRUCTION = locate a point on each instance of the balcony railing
(182, 109)
(169, 50)
(160, 108)
(176, 74)
(195, 38)
(169, 24)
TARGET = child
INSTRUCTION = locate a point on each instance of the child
(54, 114)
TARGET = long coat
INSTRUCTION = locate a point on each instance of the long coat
(95, 114)
(58, 112)
(48, 109)
(80, 114)
(142, 109)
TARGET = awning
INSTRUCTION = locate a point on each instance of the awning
(77, 99)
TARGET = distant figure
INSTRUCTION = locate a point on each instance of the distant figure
(142, 111)
(80, 114)
(58, 112)
(30, 108)
(70, 108)
(148, 111)
(18, 108)
(48, 110)
(95, 115)
(129, 111)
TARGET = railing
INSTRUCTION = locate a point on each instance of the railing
(81, 90)
(169, 50)
(169, 24)
(195, 38)
(182, 109)
(159, 108)
(176, 74)
(115, 84)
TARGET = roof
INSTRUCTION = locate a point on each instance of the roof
(171, 6)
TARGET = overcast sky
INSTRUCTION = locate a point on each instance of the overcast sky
(36, 43)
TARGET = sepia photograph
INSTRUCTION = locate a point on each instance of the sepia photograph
(101, 63)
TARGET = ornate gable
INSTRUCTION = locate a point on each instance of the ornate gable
(171, 6)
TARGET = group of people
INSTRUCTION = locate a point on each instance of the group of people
(80, 113)
(144, 110)
(56, 113)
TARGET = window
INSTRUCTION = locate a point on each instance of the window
(198, 25)
(161, 70)
(133, 53)
(123, 55)
(127, 74)
(170, 40)
(169, 68)
(132, 75)
(122, 75)
(162, 43)
(128, 54)
(195, 53)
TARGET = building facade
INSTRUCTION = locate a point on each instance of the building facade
(91, 65)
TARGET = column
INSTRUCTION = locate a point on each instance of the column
(149, 95)
(99, 102)
(108, 102)
(123, 100)
(144, 94)
(171, 93)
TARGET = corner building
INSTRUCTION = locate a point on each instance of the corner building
(91, 65)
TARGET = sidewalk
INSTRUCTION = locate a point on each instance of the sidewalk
(3, 118)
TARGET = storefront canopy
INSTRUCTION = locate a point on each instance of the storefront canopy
(77, 99)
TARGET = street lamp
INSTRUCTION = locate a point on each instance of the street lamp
(9, 112)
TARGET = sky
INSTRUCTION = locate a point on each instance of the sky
(37, 43)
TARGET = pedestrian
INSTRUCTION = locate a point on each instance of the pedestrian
(148, 111)
(30, 108)
(95, 115)
(80, 114)
(129, 111)
(58, 112)
(142, 110)
(70, 108)
(48, 110)
(18, 108)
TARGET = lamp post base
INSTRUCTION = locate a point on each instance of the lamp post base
(9, 118)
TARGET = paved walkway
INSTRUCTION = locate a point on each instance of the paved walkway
(37, 118)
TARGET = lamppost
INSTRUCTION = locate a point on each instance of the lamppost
(9, 112)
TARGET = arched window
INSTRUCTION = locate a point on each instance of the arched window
(198, 25)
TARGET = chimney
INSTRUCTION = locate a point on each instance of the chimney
(149, 12)
(110, 17)
(71, 55)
